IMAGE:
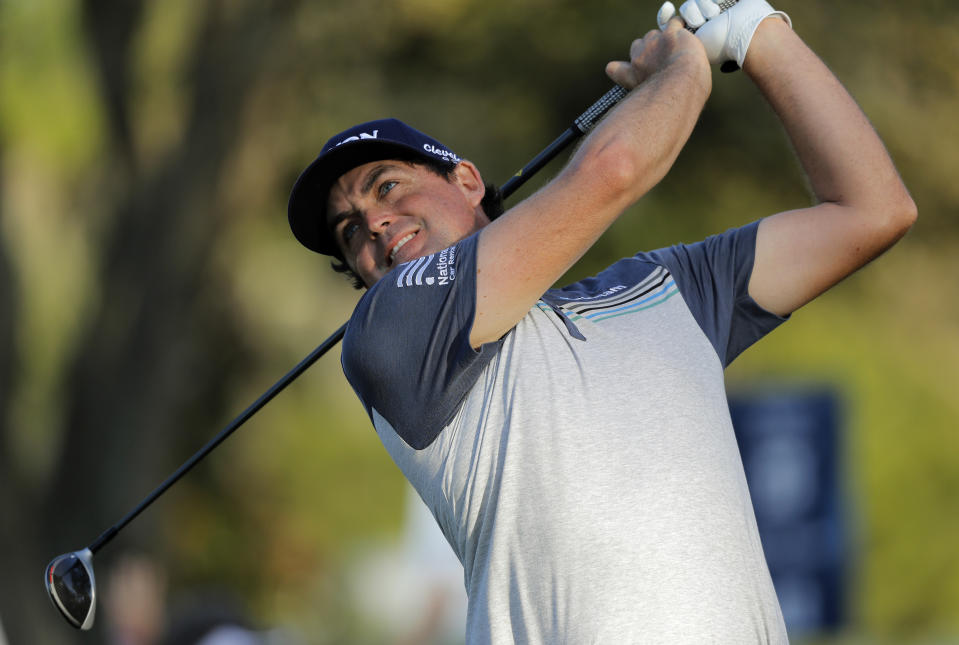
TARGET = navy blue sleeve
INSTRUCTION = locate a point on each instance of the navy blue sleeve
(407, 352)
(713, 278)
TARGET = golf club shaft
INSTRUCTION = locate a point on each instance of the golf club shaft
(580, 126)
(583, 124)
(265, 398)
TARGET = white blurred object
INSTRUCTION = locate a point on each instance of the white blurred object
(231, 635)
(414, 589)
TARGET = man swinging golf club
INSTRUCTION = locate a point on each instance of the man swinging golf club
(574, 444)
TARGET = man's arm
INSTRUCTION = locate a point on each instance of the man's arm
(862, 205)
(523, 252)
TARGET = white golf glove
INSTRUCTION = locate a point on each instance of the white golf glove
(726, 34)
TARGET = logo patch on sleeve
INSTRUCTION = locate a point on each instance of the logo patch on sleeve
(429, 270)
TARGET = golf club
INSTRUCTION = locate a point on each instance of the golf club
(69, 578)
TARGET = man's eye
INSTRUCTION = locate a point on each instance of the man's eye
(386, 187)
(349, 230)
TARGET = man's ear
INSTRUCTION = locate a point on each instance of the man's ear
(467, 176)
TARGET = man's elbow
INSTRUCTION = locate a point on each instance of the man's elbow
(900, 214)
(908, 213)
(886, 222)
(615, 173)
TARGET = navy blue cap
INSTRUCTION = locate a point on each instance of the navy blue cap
(371, 141)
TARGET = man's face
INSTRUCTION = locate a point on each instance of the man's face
(387, 212)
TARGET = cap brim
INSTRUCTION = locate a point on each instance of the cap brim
(307, 207)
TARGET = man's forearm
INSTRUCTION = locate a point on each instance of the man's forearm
(862, 205)
(522, 253)
(837, 146)
(652, 124)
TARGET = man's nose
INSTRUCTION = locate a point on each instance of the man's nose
(378, 219)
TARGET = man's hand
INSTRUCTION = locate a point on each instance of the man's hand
(726, 36)
(655, 51)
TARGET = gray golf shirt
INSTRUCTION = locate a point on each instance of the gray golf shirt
(584, 467)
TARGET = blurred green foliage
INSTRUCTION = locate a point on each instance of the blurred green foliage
(147, 153)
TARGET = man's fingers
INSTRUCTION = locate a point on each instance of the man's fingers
(632, 73)
(675, 24)
(708, 8)
(621, 73)
(614, 68)
(666, 12)
(690, 12)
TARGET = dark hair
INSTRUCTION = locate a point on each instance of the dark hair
(492, 205)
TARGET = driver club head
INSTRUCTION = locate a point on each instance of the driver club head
(71, 587)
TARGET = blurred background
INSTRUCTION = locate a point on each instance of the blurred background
(150, 290)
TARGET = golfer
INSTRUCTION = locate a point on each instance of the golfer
(574, 444)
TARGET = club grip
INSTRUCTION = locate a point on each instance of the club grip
(585, 121)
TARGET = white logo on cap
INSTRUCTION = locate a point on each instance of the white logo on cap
(363, 135)
(440, 152)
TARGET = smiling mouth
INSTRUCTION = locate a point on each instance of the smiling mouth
(399, 245)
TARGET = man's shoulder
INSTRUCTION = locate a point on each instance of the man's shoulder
(421, 308)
